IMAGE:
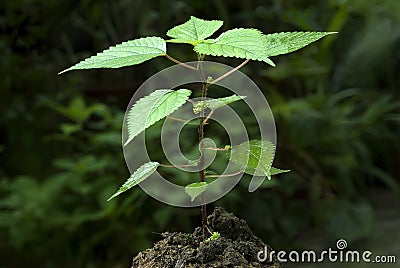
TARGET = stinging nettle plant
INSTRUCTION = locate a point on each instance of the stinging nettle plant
(255, 157)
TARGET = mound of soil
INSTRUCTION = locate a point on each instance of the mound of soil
(236, 247)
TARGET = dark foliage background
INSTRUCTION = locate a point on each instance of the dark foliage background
(336, 105)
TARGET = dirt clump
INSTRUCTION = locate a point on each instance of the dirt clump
(236, 247)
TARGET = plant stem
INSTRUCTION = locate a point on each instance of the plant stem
(177, 119)
(230, 72)
(208, 117)
(181, 63)
(216, 149)
(203, 121)
(176, 166)
(201, 159)
(225, 175)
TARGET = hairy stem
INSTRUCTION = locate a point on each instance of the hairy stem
(180, 63)
(177, 119)
(201, 159)
(230, 72)
(208, 117)
(216, 149)
(203, 120)
(224, 175)
(176, 166)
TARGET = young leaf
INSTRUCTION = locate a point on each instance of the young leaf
(152, 108)
(124, 54)
(195, 189)
(239, 43)
(214, 236)
(255, 157)
(199, 106)
(142, 173)
(215, 103)
(282, 43)
(194, 31)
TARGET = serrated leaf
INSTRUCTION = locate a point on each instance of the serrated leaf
(125, 54)
(152, 108)
(142, 173)
(255, 157)
(283, 43)
(239, 43)
(215, 103)
(196, 189)
(276, 171)
(194, 31)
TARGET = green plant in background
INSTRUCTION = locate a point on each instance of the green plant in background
(254, 157)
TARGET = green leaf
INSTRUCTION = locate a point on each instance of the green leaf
(142, 173)
(194, 31)
(124, 54)
(214, 104)
(282, 43)
(152, 108)
(196, 189)
(239, 43)
(276, 171)
(255, 157)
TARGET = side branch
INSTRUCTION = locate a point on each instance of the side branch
(208, 117)
(230, 72)
(180, 63)
(216, 149)
(177, 119)
(225, 175)
(177, 166)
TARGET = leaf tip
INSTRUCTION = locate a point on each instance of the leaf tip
(270, 62)
(111, 197)
(64, 71)
(128, 141)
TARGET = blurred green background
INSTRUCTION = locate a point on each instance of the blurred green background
(336, 105)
